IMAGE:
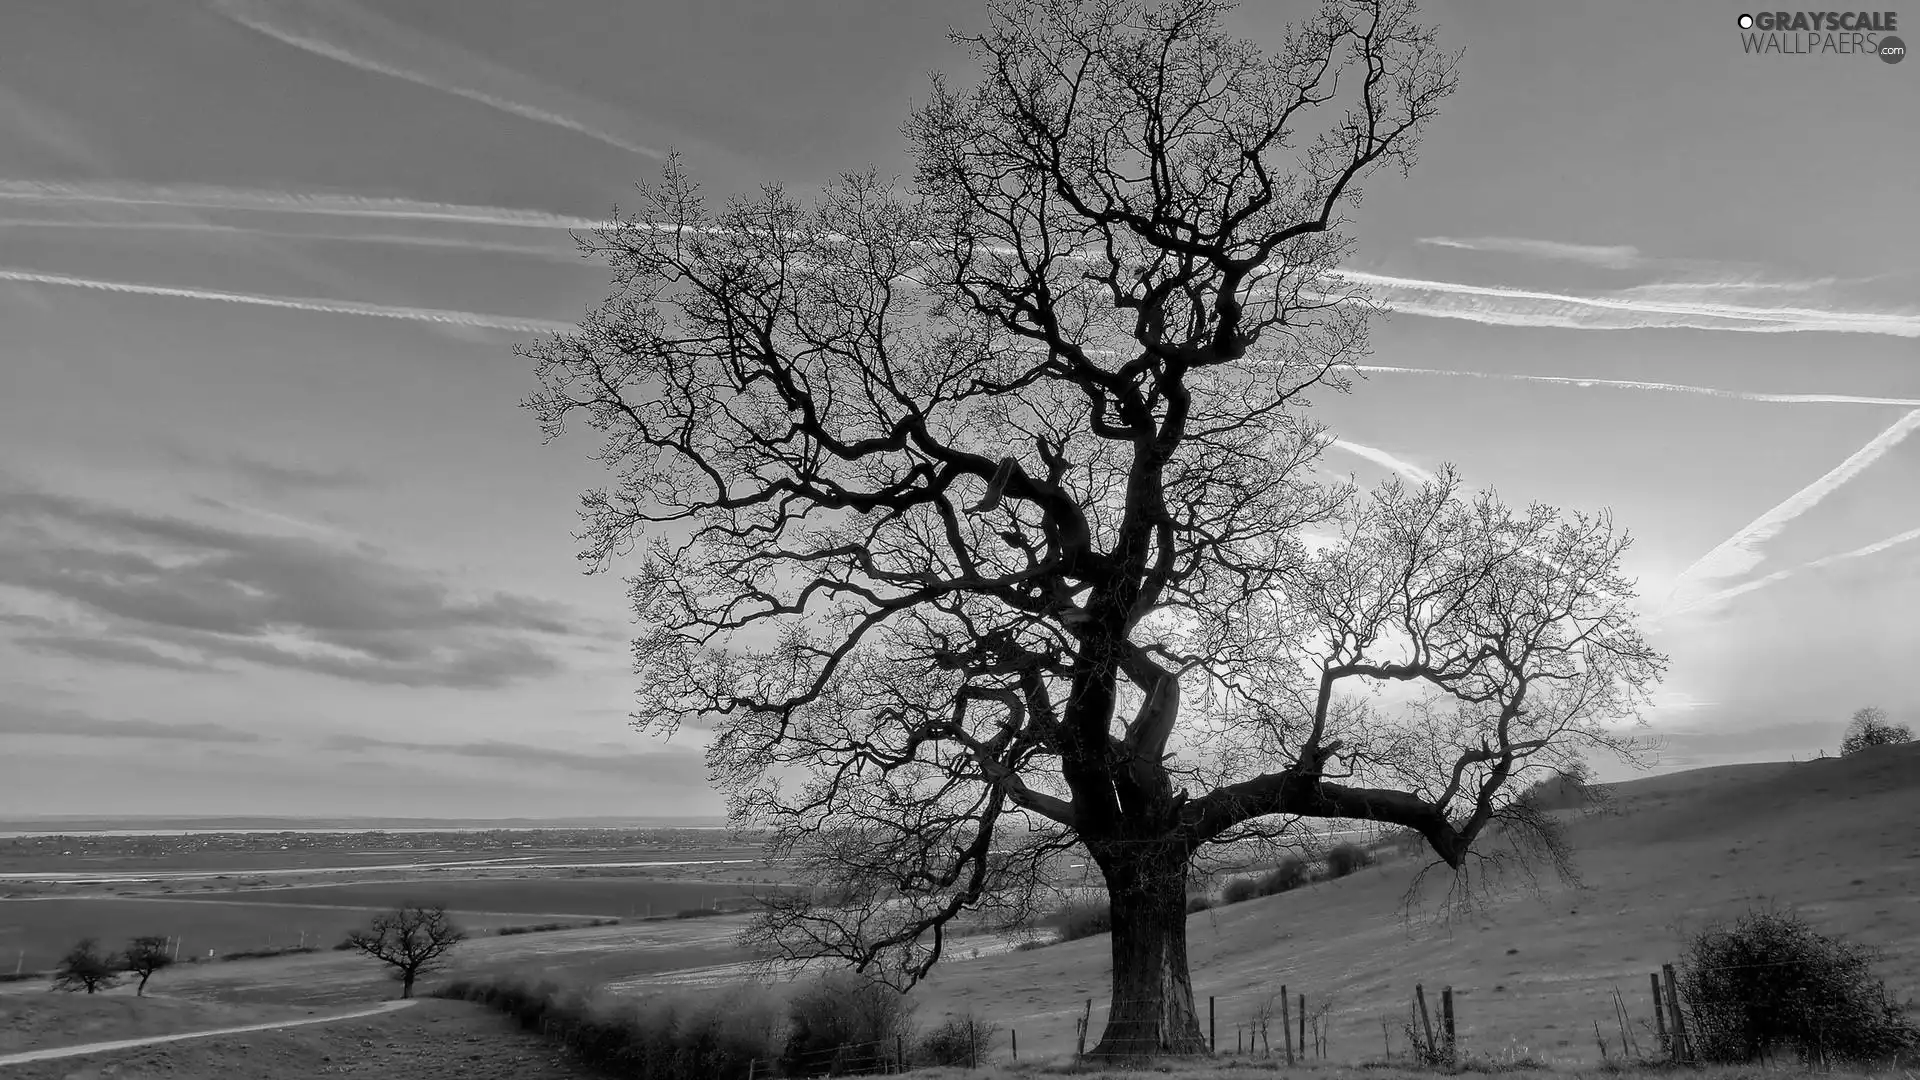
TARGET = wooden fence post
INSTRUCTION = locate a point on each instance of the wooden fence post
(1426, 1021)
(1681, 1051)
(1446, 1019)
(1660, 1016)
(900, 1051)
(1014, 1037)
(1286, 1025)
(1213, 1035)
(973, 1047)
(1303, 1025)
(1086, 1021)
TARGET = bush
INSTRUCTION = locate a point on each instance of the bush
(1770, 981)
(660, 1039)
(963, 1042)
(844, 1024)
(1870, 728)
(1346, 857)
(1198, 902)
(258, 954)
(1289, 874)
(1084, 920)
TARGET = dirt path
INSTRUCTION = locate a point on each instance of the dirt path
(127, 1044)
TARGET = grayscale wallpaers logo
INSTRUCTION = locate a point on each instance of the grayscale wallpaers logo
(1828, 33)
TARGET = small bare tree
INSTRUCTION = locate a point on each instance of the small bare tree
(1870, 727)
(85, 967)
(144, 956)
(412, 939)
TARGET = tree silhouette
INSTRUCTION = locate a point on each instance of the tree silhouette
(85, 967)
(1870, 727)
(979, 518)
(412, 939)
(144, 956)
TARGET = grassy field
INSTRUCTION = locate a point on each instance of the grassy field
(1531, 972)
(604, 954)
(433, 1040)
(618, 897)
(47, 1020)
(35, 933)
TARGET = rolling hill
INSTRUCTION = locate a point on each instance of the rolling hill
(1532, 968)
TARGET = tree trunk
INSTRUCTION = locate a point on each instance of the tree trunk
(406, 983)
(1152, 1013)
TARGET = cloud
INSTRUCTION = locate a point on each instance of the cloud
(1631, 384)
(267, 476)
(338, 307)
(255, 200)
(1875, 548)
(200, 594)
(1741, 552)
(1640, 309)
(667, 764)
(1382, 458)
(133, 653)
(18, 720)
(1612, 256)
(359, 38)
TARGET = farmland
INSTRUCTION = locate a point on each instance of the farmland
(35, 932)
(615, 897)
(248, 892)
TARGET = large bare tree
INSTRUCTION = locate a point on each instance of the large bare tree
(978, 517)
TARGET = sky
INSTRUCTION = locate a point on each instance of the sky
(275, 538)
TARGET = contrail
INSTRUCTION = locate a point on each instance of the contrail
(211, 197)
(295, 303)
(379, 35)
(1503, 306)
(1857, 553)
(1740, 552)
(1612, 256)
(402, 239)
(1380, 457)
(1632, 384)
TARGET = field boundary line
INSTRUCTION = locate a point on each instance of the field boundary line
(53, 1052)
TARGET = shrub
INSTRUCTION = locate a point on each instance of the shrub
(1286, 875)
(1770, 981)
(1870, 728)
(1198, 902)
(258, 954)
(844, 1024)
(660, 1039)
(1346, 857)
(1084, 920)
(963, 1042)
(1289, 874)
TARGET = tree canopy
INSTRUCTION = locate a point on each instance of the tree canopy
(980, 517)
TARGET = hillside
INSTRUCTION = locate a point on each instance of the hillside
(1833, 837)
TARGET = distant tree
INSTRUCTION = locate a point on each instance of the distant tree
(1870, 727)
(85, 967)
(412, 939)
(144, 956)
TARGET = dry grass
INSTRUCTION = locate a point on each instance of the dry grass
(41, 1021)
(1531, 973)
